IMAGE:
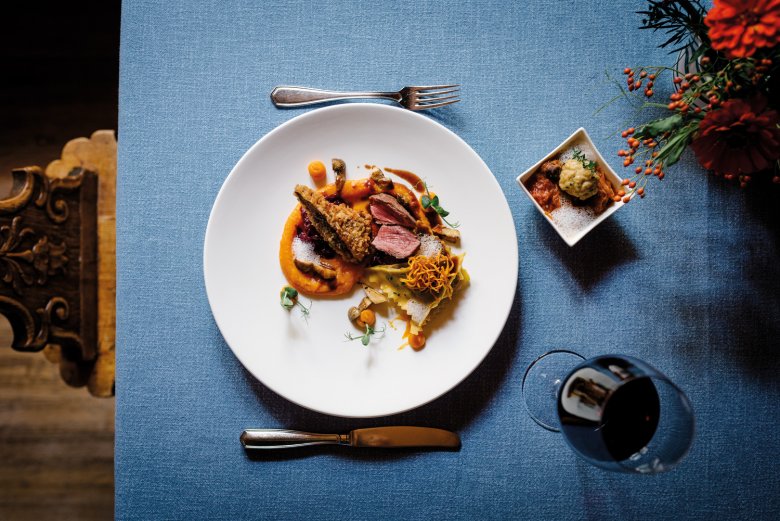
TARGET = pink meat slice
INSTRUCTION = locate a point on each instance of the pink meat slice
(387, 210)
(396, 241)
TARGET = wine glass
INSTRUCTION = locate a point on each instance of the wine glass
(616, 411)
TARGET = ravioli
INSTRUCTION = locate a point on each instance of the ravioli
(418, 306)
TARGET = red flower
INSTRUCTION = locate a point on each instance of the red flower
(739, 27)
(740, 137)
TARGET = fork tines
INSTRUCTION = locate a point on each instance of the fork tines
(432, 96)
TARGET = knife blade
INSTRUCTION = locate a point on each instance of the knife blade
(378, 437)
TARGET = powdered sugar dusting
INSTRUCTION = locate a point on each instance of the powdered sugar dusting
(304, 251)
(572, 219)
(430, 246)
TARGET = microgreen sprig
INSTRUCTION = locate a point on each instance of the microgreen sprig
(289, 299)
(586, 163)
(433, 202)
(365, 338)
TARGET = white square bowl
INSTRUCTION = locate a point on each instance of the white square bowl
(580, 135)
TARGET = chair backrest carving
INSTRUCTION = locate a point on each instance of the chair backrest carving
(48, 266)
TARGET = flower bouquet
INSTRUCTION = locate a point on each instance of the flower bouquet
(724, 104)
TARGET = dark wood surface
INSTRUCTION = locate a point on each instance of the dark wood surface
(56, 442)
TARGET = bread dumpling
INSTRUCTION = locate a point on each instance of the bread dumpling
(578, 181)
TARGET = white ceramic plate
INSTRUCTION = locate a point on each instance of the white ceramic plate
(311, 364)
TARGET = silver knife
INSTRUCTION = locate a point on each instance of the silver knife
(383, 437)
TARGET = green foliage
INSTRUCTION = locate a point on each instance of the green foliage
(433, 202)
(676, 144)
(586, 163)
(681, 20)
(289, 299)
(659, 126)
(365, 338)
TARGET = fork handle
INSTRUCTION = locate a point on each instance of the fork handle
(288, 96)
(286, 439)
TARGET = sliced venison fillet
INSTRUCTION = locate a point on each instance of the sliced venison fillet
(387, 210)
(396, 241)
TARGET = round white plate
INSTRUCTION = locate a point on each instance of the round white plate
(311, 364)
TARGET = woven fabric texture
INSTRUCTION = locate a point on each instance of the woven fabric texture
(686, 279)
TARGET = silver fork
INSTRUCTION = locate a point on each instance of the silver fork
(413, 98)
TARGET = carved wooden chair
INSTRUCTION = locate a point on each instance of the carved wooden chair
(57, 261)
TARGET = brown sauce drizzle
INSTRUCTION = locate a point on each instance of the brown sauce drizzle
(409, 177)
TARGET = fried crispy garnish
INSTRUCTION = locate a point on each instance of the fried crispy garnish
(433, 274)
(347, 231)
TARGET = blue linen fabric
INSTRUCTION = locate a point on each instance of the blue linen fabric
(686, 279)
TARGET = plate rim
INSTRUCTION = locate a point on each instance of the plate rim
(351, 107)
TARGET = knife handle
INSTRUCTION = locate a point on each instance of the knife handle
(286, 439)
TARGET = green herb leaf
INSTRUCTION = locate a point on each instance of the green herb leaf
(365, 338)
(433, 202)
(451, 225)
(659, 126)
(305, 310)
(289, 299)
(676, 145)
(586, 163)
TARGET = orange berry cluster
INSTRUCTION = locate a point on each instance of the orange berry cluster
(650, 166)
(696, 93)
(634, 84)
(684, 84)
(760, 68)
(742, 179)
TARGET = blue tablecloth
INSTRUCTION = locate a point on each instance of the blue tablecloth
(686, 278)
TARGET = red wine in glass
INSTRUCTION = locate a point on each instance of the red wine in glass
(615, 411)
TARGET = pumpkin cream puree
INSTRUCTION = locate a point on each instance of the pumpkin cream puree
(347, 274)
